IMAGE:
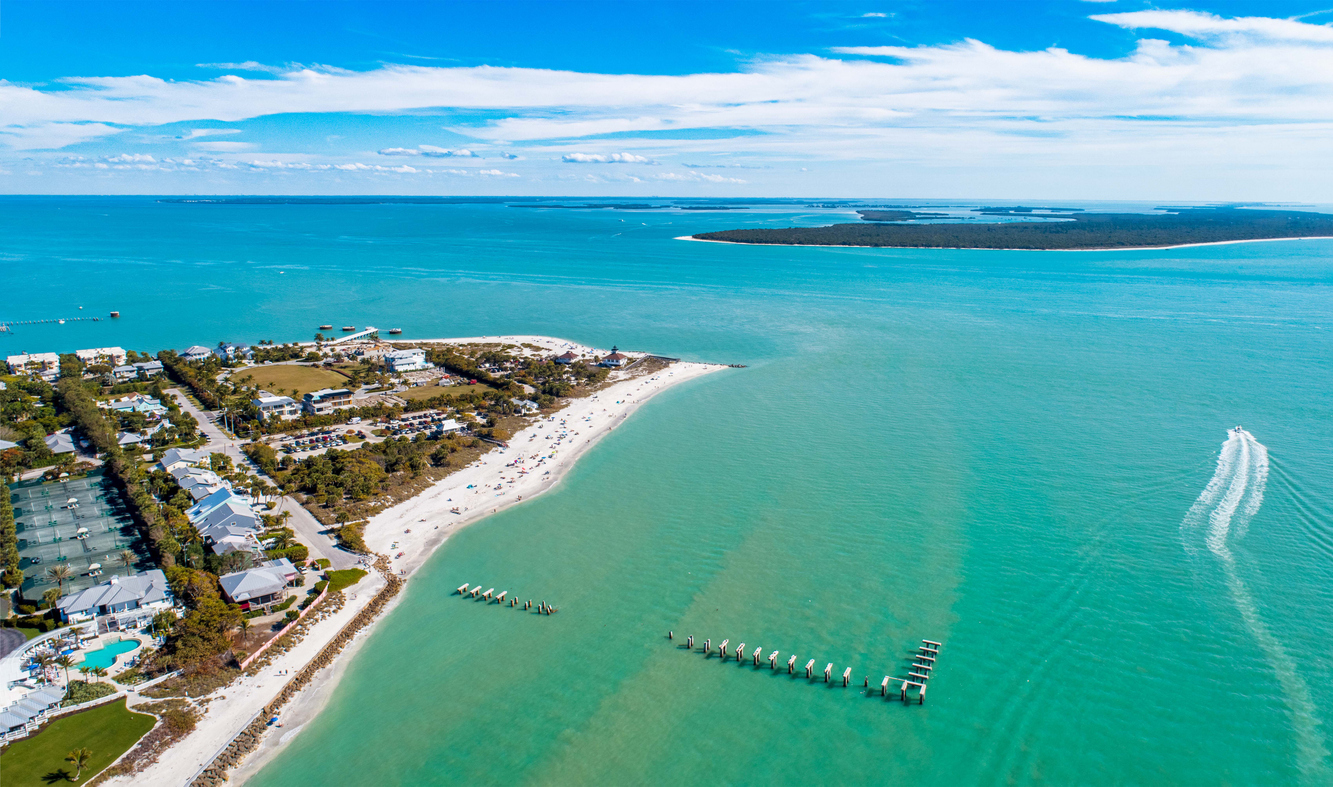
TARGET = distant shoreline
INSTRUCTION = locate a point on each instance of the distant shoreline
(987, 248)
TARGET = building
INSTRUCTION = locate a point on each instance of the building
(270, 406)
(149, 369)
(234, 352)
(127, 372)
(259, 587)
(327, 400)
(568, 357)
(199, 483)
(616, 359)
(60, 443)
(230, 538)
(526, 405)
(400, 361)
(147, 590)
(197, 353)
(177, 457)
(136, 403)
(24, 717)
(105, 356)
(44, 365)
(445, 427)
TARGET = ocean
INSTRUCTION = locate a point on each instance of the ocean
(1026, 456)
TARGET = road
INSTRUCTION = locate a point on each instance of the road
(308, 530)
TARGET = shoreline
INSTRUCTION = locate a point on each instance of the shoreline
(979, 248)
(607, 409)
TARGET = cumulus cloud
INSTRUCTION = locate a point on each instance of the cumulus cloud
(495, 173)
(400, 152)
(604, 158)
(874, 15)
(696, 177)
(511, 156)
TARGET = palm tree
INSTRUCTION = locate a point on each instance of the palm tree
(79, 758)
(85, 671)
(44, 660)
(127, 559)
(99, 673)
(66, 661)
(59, 573)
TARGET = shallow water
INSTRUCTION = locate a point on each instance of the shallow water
(996, 450)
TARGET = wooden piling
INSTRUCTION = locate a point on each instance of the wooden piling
(500, 599)
(828, 668)
(723, 649)
(884, 687)
(921, 696)
(487, 595)
(932, 642)
(773, 660)
(846, 677)
(758, 651)
(462, 589)
(671, 635)
(708, 646)
(810, 668)
(690, 642)
(791, 664)
(740, 652)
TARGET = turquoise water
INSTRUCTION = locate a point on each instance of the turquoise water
(105, 657)
(1014, 453)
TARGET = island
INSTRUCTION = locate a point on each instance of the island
(1071, 231)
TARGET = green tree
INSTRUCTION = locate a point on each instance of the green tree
(65, 662)
(79, 758)
(9, 547)
(59, 574)
(127, 559)
(204, 632)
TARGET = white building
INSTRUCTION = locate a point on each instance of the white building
(259, 587)
(616, 359)
(147, 590)
(233, 352)
(44, 365)
(109, 356)
(197, 353)
(400, 361)
(270, 406)
(177, 457)
(326, 400)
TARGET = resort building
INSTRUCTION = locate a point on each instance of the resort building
(44, 365)
(105, 356)
(400, 361)
(259, 587)
(616, 359)
(197, 353)
(24, 717)
(567, 357)
(325, 401)
(149, 369)
(270, 406)
(147, 591)
(178, 457)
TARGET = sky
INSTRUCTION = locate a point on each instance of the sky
(1039, 99)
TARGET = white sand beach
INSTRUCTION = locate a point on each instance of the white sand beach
(534, 462)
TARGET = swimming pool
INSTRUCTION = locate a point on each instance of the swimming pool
(106, 656)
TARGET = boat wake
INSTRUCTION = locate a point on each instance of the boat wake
(1220, 517)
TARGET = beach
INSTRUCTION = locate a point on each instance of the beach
(506, 476)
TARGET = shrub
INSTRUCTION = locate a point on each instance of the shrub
(292, 615)
(323, 563)
(82, 691)
(338, 580)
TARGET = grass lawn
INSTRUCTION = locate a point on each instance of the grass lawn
(108, 730)
(432, 391)
(30, 633)
(284, 377)
(338, 580)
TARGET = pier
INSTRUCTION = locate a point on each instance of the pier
(912, 686)
(490, 597)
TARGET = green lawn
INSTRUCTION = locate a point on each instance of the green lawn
(284, 377)
(29, 633)
(108, 730)
(344, 579)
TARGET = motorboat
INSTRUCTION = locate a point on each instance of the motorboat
(1238, 430)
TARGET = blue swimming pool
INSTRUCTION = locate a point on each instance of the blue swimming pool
(105, 657)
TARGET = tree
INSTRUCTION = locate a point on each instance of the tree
(9, 550)
(127, 559)
(99, 672)
(204, 632)
(44, 660)
(51, 597)
(59, 574)
(65, 662)
(79, 758)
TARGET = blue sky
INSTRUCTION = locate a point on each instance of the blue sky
(1118, 99)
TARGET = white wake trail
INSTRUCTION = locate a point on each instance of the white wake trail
(1241, 478)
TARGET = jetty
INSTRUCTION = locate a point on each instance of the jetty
(491, 597)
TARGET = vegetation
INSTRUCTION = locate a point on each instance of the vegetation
(341, 580)
(294, 379)
(1078, 231)
(9, 545)
(106, 731)
(80, 691)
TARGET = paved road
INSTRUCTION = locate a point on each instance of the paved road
(9, 640)
(312, 533)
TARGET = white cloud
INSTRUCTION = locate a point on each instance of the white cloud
(495, 173)
(696, 177)
(604, 158)
(874, 15)
(131, 158)
(250, 65)
(196, 133)
(430, 151)
(1211, 27)
(511, 156)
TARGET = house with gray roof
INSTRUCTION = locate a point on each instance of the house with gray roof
(259, 587)
(22, 718)
(60, 443)
(146, 590)
(176, 457)
(197, 353)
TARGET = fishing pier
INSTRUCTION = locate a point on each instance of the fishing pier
(489, 596)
